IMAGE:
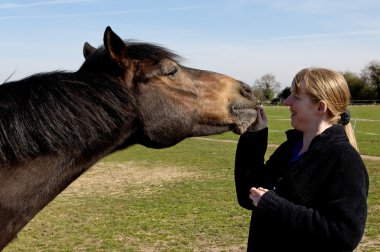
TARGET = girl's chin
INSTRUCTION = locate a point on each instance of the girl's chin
(293, 124)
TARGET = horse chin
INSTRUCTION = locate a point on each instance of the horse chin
(244, 118)
(240, 120)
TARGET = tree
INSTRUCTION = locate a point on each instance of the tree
(371, 75)
(268, 86)
(284, 94)
(257, 93)
(359, 88)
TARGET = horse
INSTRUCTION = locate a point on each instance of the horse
(56, 125)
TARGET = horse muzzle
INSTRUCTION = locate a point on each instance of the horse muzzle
(243, 110)
(243, 118)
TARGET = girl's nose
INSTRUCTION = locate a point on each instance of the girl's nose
(287, 101)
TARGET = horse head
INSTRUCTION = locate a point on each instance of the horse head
(173, 101)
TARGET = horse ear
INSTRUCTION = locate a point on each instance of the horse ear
(87, 50)
(114, 45)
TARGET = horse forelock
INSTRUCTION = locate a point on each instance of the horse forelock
(57, 111)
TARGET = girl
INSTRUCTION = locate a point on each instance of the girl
(311, 195)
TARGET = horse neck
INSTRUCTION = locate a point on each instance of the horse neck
(28, 185)
(27, 188)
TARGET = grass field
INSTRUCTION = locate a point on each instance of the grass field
(176, 199)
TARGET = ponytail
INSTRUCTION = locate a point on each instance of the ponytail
(351, 136)
(344, 120)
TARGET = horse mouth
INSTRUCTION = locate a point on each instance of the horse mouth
(244, 115)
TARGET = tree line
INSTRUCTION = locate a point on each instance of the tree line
(364, 87)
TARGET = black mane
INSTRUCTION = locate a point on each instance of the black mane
(48, 112)
(148, 55)
(144, 52)
(150, 52)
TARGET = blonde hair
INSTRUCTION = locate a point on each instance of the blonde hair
(329, 86)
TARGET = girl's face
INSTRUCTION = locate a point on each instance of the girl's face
(303, 110)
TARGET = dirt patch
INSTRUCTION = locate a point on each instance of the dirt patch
(369, 244)
(111, 178)
(372, 158)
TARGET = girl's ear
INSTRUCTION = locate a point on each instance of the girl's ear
(322, 108)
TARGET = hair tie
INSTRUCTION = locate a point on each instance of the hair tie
(344, 118)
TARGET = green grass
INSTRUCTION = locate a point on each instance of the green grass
(373, 230)
(192, 213)
(176, 199)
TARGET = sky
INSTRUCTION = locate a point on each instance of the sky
(245, 39)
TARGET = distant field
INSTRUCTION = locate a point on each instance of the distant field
(176, 199)
(365, 120)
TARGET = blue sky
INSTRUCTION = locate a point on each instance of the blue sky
(241, 38)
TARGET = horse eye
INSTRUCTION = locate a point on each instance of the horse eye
(173, 73)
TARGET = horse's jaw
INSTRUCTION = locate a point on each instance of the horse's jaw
(243, 118)
(206, 130)
(239, 126)
(166, 142)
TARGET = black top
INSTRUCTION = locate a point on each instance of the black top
(315, 203)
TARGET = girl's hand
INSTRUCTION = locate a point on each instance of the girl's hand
(261, 120)
(256, 194)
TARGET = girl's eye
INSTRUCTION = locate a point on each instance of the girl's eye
(297, 96)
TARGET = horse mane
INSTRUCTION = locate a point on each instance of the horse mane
(149, 51)
(9, 77)
(55, 111)
(145, 52)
